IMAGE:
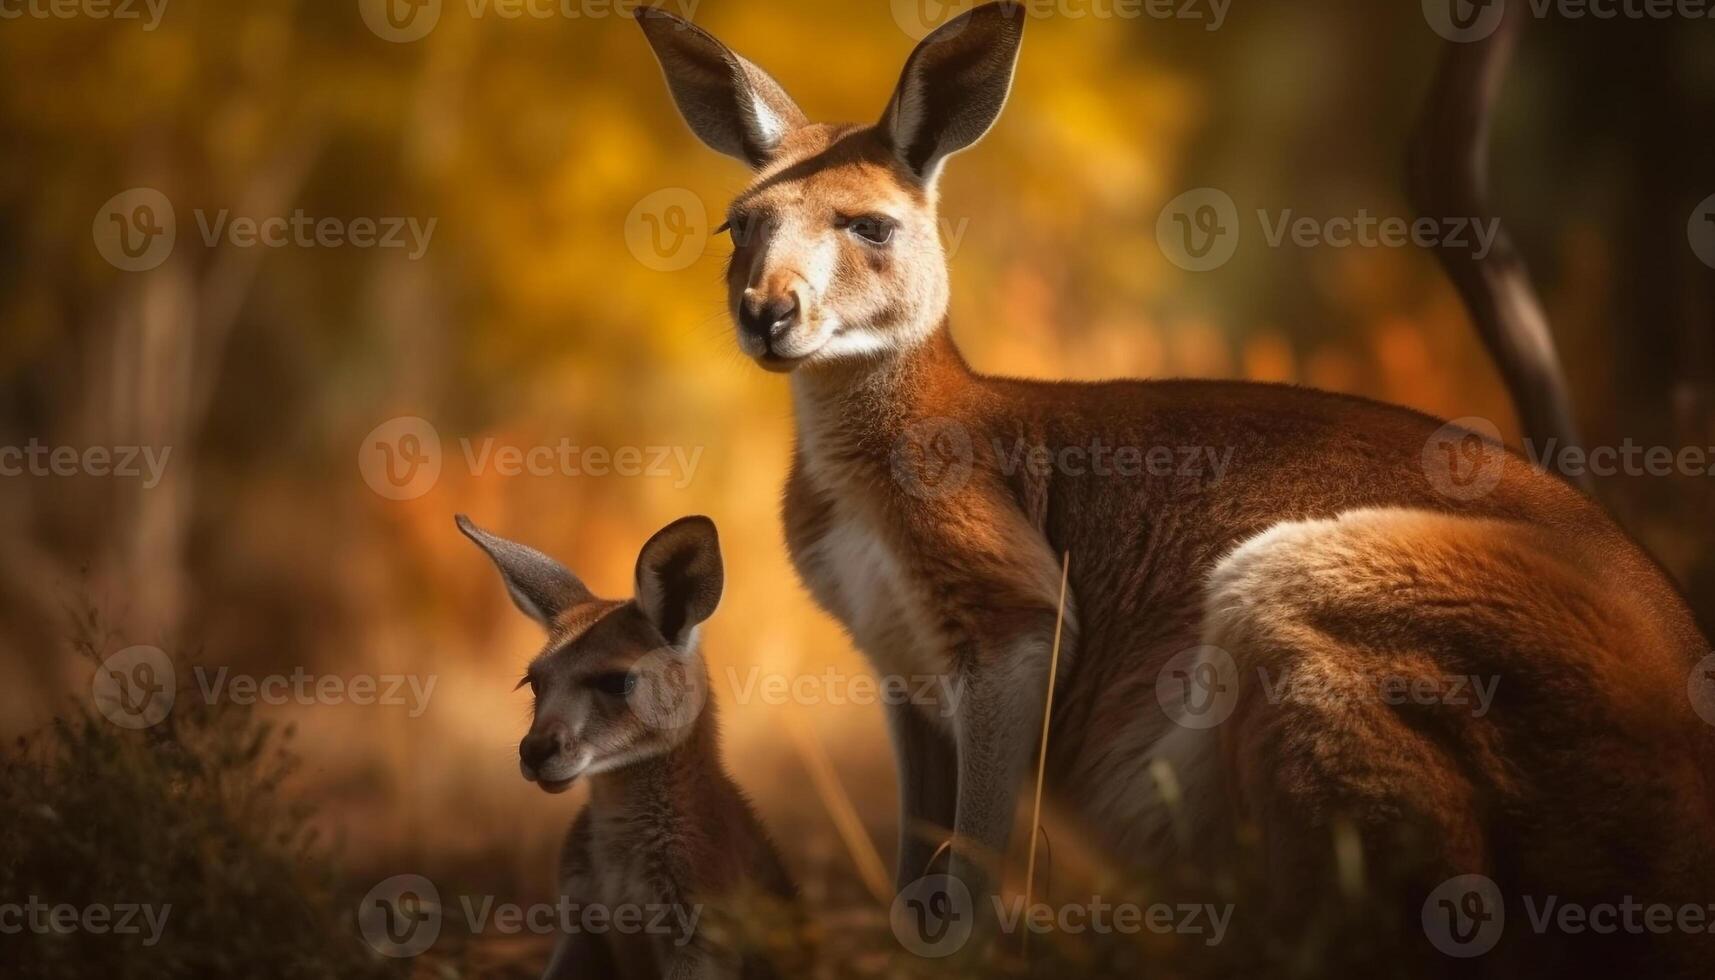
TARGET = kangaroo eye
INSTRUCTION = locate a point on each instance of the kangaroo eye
(617, 684)
(873, 229)
(745, 228)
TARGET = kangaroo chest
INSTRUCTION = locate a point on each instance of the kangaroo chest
(626, 873)
(630, 889)
(863, 581)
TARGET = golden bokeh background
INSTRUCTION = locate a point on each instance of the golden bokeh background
(571, 289)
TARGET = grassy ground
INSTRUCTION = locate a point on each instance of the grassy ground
(197, 813)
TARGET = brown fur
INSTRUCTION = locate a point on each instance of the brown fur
(1325, 554)
(1587, 780)
(622, 701)
(675, 830)
(1590, 780)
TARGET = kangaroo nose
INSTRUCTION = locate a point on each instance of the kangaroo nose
(769, 317)
(541, 746)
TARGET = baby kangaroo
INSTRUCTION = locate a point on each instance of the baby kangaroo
(669, 871)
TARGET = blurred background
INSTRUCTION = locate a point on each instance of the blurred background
(518, 255)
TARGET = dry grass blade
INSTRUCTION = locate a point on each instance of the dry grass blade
(838, 804)
(1042, 752)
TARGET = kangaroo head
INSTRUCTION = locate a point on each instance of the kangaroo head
(618, 681)
(836, 246)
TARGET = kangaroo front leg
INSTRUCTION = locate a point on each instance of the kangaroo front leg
(998, 725)
(928, 784)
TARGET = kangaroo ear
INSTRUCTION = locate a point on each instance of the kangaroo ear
(540, 587)
(954, 86)
(679, 577)
(732, 105)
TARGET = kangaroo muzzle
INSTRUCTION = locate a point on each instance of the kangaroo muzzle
(545, 757)
(766, 318)
(774, 321)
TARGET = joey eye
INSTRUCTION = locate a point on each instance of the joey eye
(872, 228)
(616, 683)
(529, 681)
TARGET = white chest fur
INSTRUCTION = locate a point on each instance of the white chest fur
(848, 565)
(855, 575)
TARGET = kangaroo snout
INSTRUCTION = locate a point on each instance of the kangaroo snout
(767, 315)
(541, 748)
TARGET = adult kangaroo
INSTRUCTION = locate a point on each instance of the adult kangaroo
(1303, 566)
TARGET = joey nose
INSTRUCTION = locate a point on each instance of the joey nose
(767, 318)
(541, 745)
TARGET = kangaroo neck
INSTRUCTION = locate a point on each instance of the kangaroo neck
(668, 781)
(865, 404)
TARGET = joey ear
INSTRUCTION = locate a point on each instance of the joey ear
(732, 105)
(680, 577)
(954, 86)
(540, 587)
